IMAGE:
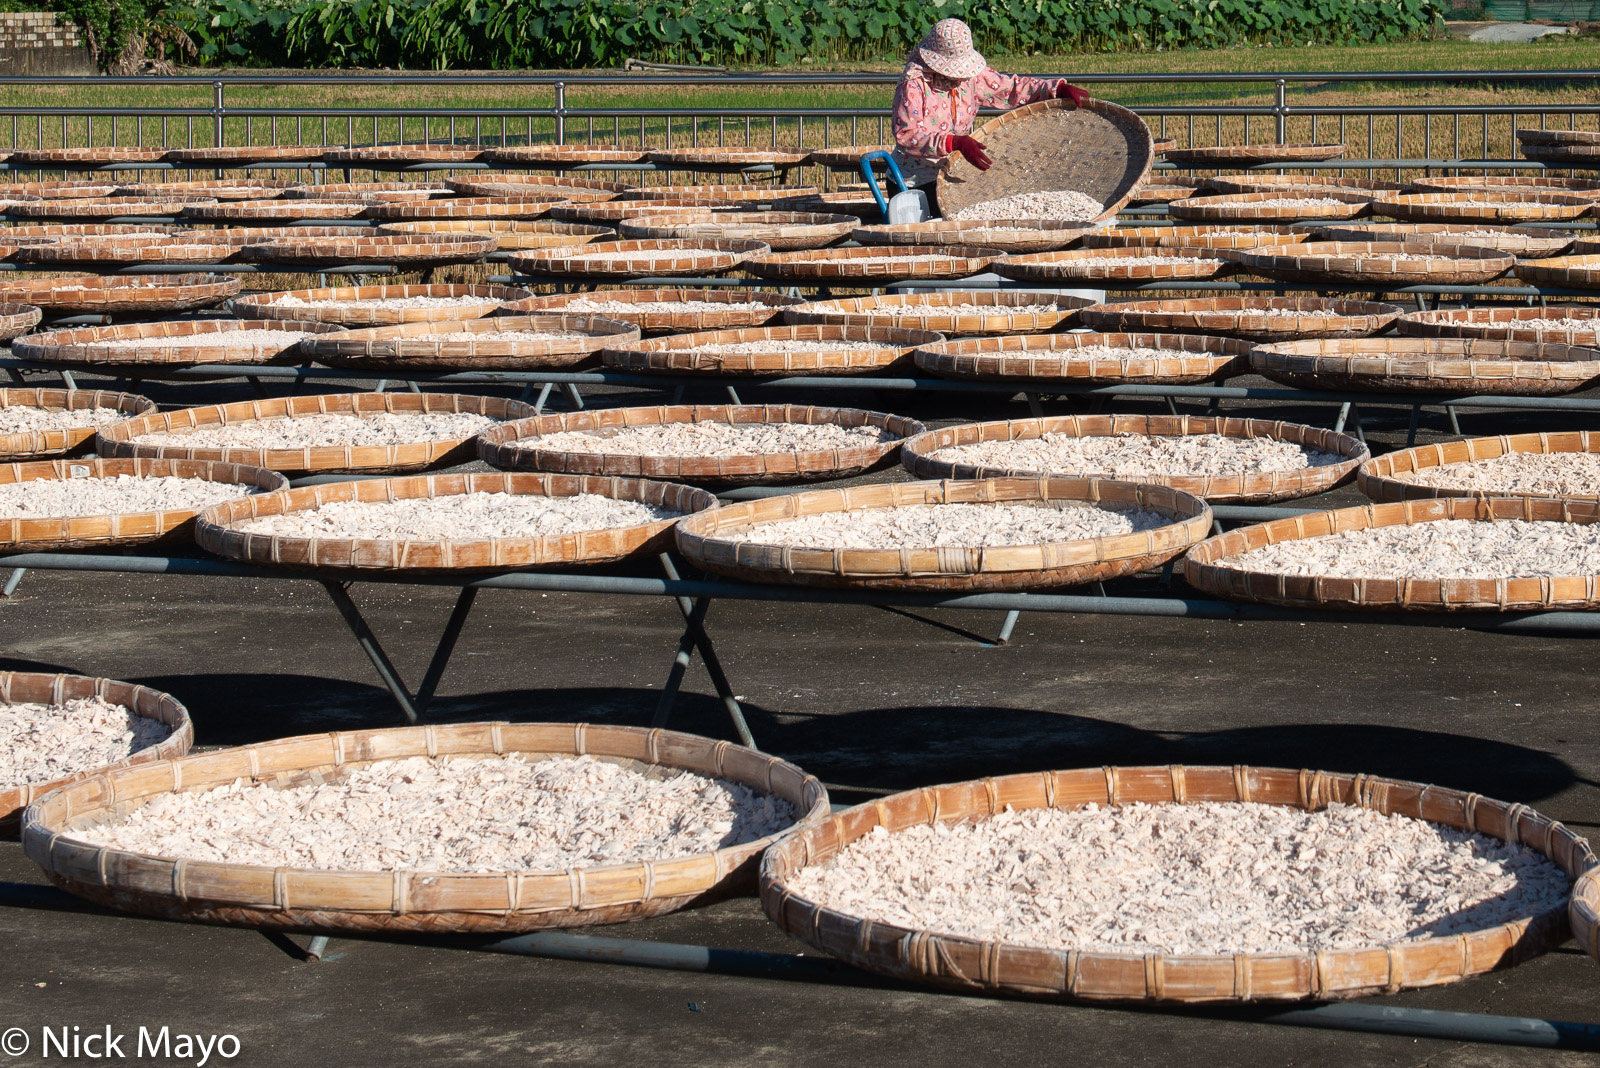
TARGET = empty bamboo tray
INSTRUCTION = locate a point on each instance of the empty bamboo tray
(1429, 365)
(516, 446)
(401, 250)
(358, 306)
(416, 901)
(873, 265)
(1111, 265)
(1251, 318)
(871, 349)
(1377, 477)
(1273, 206)
(93, 156)
(565, 187)
(1570, 272)
(1485, 206)
(509, 234)
(139, 344)
(18, 319)
(242, 155)
(1379, 263)
(1503, 324)
(1252, 155)
(1253, 487)
(1584, 157)
(121, 294)
(1524, 242)
(32, 445)
(948, 312)
(659, 257)
(492, 346)
(716, 158)
(561, 157)
(1044, 360)
(119, 439)
(399, 157)
(988, 967)
(677, 313)
(846, 157)
(1007, 235)
(704, 539)
(1583, 187)
(782, 231)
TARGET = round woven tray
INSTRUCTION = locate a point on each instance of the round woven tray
(871, 265)
(43, 534)
(1429, 365)
(237, 237)
(215, 188)
(1379, 263)
(1243, 317)
(1252, 487)
(95, 157)
(1053, 359)
(1003, 312)
(1095, 265)
(1272, 206)
(1102, 150)
(769, 304)
(781, 231)
(53, 233)
(1503, 324)
(846, 158)
(416, 901)
(1280, 183)
(631, 259)
(418, 346)
(18, 319)
(859, 203)
(967, 964)
(28, 687)
(882, 349)
(40, 443)
(516, 185)
(1007, 235)
(1202, 567)
(105, 207)
(703, 539)
(1484, 206)
(264, 306)
(1195, 237)
(726, 159)
(1376, 477)
(118, 439)
(239, 155)
(106, 346)
(515, 445)
(121, 294)
(1524, 242)
(401, 250)
(369, 192)
(56, 190)
(560, 157)
(523, 206)
(1581, 157)
(612, 212)
(1164, 190)
(398, 157)
(1581, 187)
(122, 250)
(1567, 272)
(236, 212)
(732, 193)
(1558, 137)
(509, 235)
(218, 530)
(1252, 155)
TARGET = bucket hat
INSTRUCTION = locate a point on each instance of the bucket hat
(947, 50)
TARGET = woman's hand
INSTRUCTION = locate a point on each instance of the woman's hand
(1071, 92)
(971, 150)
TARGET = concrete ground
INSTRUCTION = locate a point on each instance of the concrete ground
(866, 699)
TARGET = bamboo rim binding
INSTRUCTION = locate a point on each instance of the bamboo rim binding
(873, 348)
(1504, 324)
(31, 445)
(1005, 312)
(1429, 365)
(573, 342)
(139, 344)
(121, 294)
(657, 320)
(352, 309)
(1046, 358)
(1250, 318)
(1377, 480)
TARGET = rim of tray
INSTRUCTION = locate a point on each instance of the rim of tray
(782, 231)
(883, 349)
(1007, 235)
(1048, 358)
(1202, 237)
(130, 292)
(106, 345)
(400, 249)
(1517, 240)
(663, 321)
(1575, 272)
(1241, 155)
(1484, 204)
(1499, 324)
(509, 234)
(1426, 364)
(610, 258)
(1079, 264)
(566, 155)
(840, 264)
(1375, 478)
(1377, 261)
(414, 346)
(25, 445)
(858, 311)
(1239, 317)
(1248, 206)
(264, 306)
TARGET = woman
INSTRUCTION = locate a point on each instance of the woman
(945, 82)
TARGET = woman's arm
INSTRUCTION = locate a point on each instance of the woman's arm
(991, 89)
(921, 119)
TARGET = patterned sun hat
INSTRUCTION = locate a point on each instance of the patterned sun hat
(947, 50)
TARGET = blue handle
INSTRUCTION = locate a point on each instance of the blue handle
(872, 181)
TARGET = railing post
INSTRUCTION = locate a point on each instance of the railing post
(217, 108)
(1281, 107)
(561, 113)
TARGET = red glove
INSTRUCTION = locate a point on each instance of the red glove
(971, 150)
(1071, 92)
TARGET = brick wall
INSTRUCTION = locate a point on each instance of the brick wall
(37, 42)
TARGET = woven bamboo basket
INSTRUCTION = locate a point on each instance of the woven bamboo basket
(612, 212)
(1503, 324)
(399, 157)
(564, 186)
(108, 346)
(626, 259)
(509, 235)
(1007, 235)
(40, 443)
(118, 439)
(1281, 183)
(218, 530)
(245, 212)
(1377, 477)
(1485, 206)
(1250, 318)
(414, 901)
(238, 237)
(768, 305)
(1004, 312)
(846, 158)
(704, 539)
(1164, 145)
(1164, 190)
(42, 534)
(1585, 248)
(122, 250)
(1568, 272)
(370, 192)
(1558, 137)
(1203, 566)
(726, 159)
(1099, 265)
(1195, 237)
(1101, 150)
(1580, 187)
(121, 294)
(490, 299)
(52, 233)
(881, 348)
(28, 687)
(560, 157)
(105, 207)
(215, 188)
(1248, 487)
(1429, 365)
(1054, 359)
(859, 203)
(1524, 242)
(56, 190)
(1272, 206)
(1379, 263)
(515, 446)
(737, 193)
(781, 231)
(874, 265)
(401, 250)
(1583, 157)
(421, 346)
(18, 319)
(950, 961)
(522, 206)
(240, 155)
(1252, 155)
(90, 157)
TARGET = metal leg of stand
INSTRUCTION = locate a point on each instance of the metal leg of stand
(255, 384)
(1455, 422)
(12, 581)
(317, 948)
(680, 663)
(1172, 406)
(574, 396)
(1008, 626)
(544, 397)
(70, 382)
(1344, 413)
(733, 395)
(446, 646)
(695, 631)
(16, 376)
(370, 645)
(381, 386)
(1411, 430)
(677, 394)
(1035, 409)
(1355, 424)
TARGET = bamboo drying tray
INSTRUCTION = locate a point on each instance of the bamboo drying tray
(51, 233)
(1202, 567)
(369, 192)
(509, 235)
(660, 322)
(216, 188)
(239, 155)
(18, 319)
(1484, 206)
(1160, 264)
(1376, 477)
(1250, 207)
(736, 193)
(121, 294)
(218, 528)
(523, 206)
(1164, 145)
(399, 157)
(966, 964)
(702, 538)
(264, 306)
(238, 237)
(781, 231)
(235, 212)
(1002, 317)
(615, 259)
(97, 156)
(1102, 150)
(1524, 242)
(401, 250)
(123, 250)
(1582, 187)
(726, 159)
(39, 443)
(516, 445)
(414, 901)
(1251, 487)
(44, 534)
(117, 439)
(680, 353)
(1569, 272)
(1052, 359)
(846, 158)
(1164, 190)
(1501, 324)
(29, 687)
(859, 203)
(1282, 183)
(106, 346)
(560, 157)
(567, 188)
(1379, 263)
(612, 212)
(417, 346)
(1195, 237)
(873, 265)
(1242, 317)
(1585, 157)
(1558, 137)
(1252, 155)
(1429, 365)
(57, 190)
(1007, 235)
(105, 207)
